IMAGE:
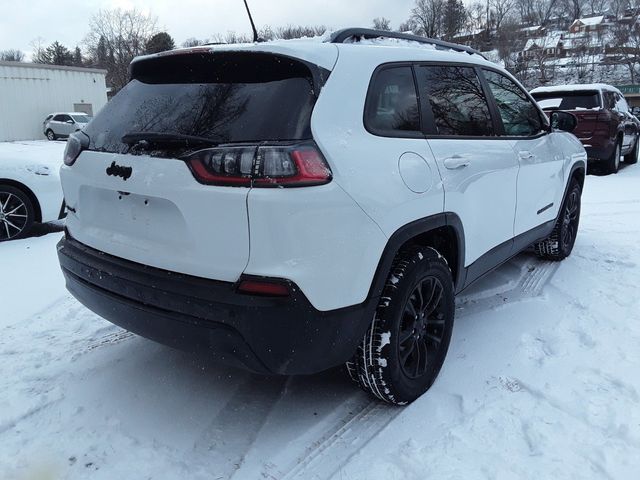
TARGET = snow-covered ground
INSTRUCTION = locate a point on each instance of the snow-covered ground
(542, 381)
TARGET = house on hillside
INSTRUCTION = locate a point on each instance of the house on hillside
(533, 32)
(590, 24)
(29, 92)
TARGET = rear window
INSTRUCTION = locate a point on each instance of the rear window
(582, 100)
(225, 97)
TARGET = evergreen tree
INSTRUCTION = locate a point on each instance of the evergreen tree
(160, 42)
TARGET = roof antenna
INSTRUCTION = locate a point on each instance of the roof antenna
(256, 38)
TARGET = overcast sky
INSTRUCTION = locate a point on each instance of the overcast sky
(67, 20)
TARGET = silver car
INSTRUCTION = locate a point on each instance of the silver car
(61, 125)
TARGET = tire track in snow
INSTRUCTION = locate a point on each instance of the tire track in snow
(329, 453)
(228, 438)
(537, 273)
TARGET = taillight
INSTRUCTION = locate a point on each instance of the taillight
(76, 143)
(267, 289)
(223, 166)
(297, 165)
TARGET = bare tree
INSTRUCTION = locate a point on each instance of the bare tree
(11, 55)
(427, 15)
(477, 15)
(115, 38)
(627, 50)
(582, 61)
(382, 23)
(193, 42)
(573, 9)
(544, 10)
(289, 32)
(500, 9)
(409, 26)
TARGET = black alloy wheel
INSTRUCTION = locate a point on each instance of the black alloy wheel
(422, 327)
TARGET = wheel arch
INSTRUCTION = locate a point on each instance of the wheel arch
(443, 231)
(28, 192)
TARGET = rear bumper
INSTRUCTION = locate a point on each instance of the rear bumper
(598, 152)
(262, 334)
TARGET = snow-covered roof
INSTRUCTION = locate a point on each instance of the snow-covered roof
(590, 21)
(576, 88)
(469, 33)
(531, 29)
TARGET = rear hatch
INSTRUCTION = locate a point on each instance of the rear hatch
(586, 105)
(165, 168)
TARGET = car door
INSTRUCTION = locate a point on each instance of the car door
(478, 169)
(628, 125)
(68, 125)
(57, 124)
(541, 178)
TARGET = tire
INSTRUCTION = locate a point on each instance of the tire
(50, 135)
(632, 157)
(613, 163)
(559, 244)
(17, 213)
(404, 349)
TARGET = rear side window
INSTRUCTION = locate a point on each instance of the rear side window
(457, 101)
(520, 117)
(225, 97)
(392, 104)
(569, 100)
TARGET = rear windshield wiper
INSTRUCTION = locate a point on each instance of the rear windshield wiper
(158, 138)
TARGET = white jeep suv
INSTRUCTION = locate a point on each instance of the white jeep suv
(295, 205)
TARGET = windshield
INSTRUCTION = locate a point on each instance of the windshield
(582, 100)
(226, 98)
(81, 118)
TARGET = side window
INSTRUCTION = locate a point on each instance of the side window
(609, 100)
(520, 116)
(392, 104)
(621, 103)
(457, 101)
(58, 118)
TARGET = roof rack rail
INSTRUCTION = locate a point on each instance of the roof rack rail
(341, 36)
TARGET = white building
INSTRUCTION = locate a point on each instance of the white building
(29, 92)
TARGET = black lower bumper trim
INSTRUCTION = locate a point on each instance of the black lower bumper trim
(265, 335)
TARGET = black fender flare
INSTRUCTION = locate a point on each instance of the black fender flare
(411, 230)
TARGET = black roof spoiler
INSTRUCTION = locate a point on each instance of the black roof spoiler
(341, 36)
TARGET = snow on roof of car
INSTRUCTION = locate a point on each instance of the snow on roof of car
(576, 88)
(69, 113)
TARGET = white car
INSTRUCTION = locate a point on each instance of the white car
(30, 188)
(291, 206)
(61, 125)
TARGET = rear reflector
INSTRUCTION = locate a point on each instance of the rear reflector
(268, 289)
(297, 165)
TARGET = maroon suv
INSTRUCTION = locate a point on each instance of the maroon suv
(606, 127)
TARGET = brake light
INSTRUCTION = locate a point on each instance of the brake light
(296, 165)
(267, 289)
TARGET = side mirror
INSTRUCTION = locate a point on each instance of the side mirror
(70, 122)
(564, 121)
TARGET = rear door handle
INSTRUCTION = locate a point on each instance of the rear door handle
(524, 155)
(455, 162)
